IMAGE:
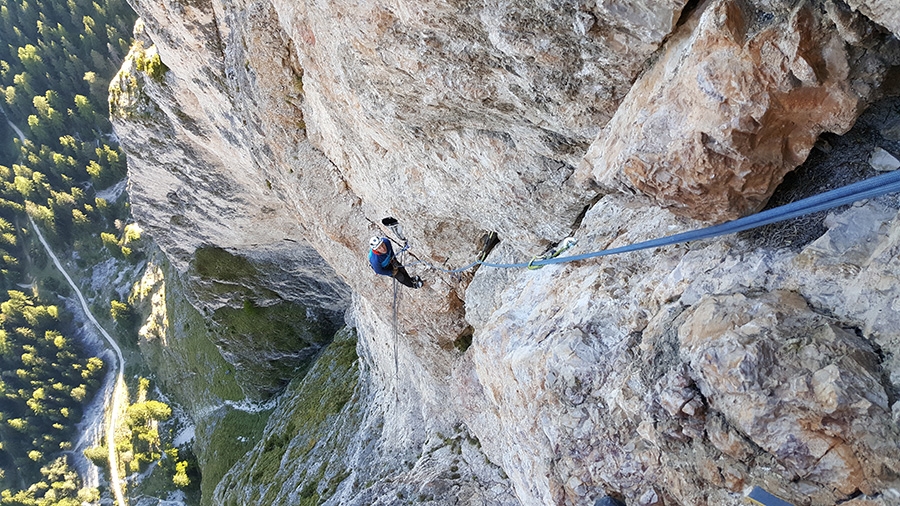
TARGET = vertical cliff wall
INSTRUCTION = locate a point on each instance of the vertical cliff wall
(282, 132)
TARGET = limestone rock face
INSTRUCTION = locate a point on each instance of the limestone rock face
(735, 101)
(406, 98)
(195, 187)
(284, 131)
(880, 12)
(652, 374)
(795, 383)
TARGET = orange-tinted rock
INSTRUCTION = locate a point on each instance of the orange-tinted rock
(731, 106)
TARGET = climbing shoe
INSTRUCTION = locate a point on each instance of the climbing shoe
(419, 282)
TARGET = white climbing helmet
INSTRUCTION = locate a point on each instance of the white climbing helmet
(375, 241)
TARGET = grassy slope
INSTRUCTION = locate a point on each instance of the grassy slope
(305, 431)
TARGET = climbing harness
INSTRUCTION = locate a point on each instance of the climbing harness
(566, 243)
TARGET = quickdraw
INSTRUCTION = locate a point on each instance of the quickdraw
(565, 244)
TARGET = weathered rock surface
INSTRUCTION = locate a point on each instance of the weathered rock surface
(284, 131)
(882, 13)
(204, 193)
(735, 101)
(641, 373)
(796, 384)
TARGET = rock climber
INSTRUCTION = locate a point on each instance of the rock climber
(383, 261)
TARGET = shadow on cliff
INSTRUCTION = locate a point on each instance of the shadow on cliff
(835, 161)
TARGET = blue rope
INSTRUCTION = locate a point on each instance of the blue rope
(869, 188)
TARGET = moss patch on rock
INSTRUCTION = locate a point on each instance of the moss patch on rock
(303, 444)
(216, 263)
(181, 352)
(269, 340)
(269, 345)
(323, 393)
(231, 437)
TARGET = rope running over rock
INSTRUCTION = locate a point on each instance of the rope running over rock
(873, 187)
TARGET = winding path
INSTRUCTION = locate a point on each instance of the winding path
(118, 390)
(13, 125)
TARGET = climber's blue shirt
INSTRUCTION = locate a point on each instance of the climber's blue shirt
(382, 263)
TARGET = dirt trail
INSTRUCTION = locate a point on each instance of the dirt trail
(115, 401)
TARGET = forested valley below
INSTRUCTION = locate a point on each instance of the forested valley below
(61, 169)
